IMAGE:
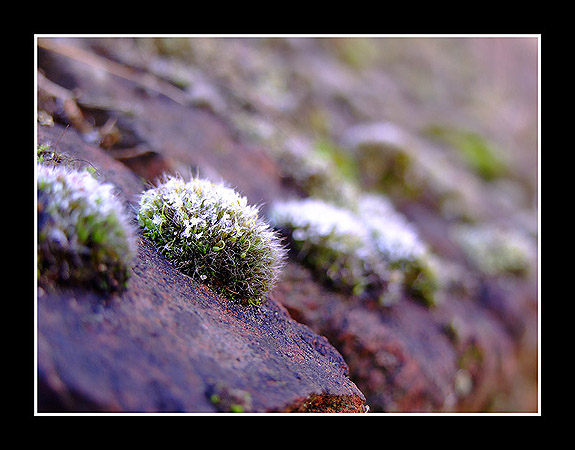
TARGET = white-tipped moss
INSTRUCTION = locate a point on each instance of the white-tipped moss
(332, 242)
(372, 249)
(394, 236)
(84, 236)
(399, 244)
(495, 250)
(211, 233)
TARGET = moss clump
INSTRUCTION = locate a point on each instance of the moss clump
(333, 243)
(495, 250)
(401, 165)
(210, 233)
(370, 250)
(84, 236)
(398, 243)
(318, 171)
(476, 151)
(385, 158)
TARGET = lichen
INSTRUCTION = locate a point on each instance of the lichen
(210, 233)
(84, 234)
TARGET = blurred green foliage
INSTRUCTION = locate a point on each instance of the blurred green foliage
(477, 152)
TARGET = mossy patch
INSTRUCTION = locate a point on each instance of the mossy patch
(84, 235)
(371, 249)
(495, 250)
(480, 155)
(210, 233)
